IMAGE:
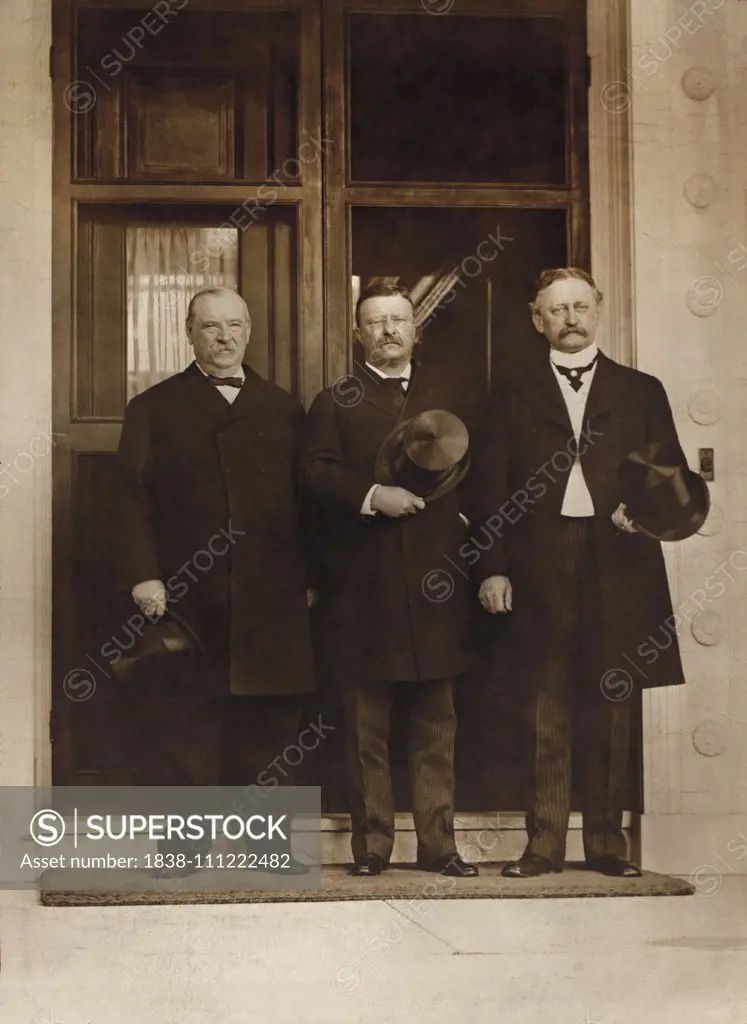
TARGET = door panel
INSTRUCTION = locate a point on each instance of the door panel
(470, 106)
(205, 96)
(100, 315)
(471, 272)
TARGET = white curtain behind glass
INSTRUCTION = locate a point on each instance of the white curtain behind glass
(166, 265)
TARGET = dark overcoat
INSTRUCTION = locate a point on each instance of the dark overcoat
(209, 506)
(393, 607)
(517, 485)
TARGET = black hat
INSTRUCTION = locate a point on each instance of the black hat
(664, 498)
(167, 657)
(428, 454)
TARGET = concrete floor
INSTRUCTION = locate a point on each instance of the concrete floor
(578, 961)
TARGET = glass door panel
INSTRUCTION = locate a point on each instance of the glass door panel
(463, 99)
(161, 280)
(470, 272)
(138, 267)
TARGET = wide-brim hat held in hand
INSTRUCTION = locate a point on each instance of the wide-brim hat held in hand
(427, 454)
(168, 656)
(665, 500)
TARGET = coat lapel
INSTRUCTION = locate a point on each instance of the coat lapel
(382, 398)
(205, 394)
(604, 393)
(426, 391)
(248, 400)
(540, 388)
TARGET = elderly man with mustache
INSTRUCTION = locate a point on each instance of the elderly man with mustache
(210, 523)
(583, 587)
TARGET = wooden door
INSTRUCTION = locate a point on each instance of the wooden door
(188, 151)
(463, 171)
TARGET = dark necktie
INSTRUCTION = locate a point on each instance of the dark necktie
(574, 374)
(225, 382)
(393, 386)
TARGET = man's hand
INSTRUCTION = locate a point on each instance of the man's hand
(312, 597)
(495, 594)
(395, 502)
(150, 597)
(621, 521)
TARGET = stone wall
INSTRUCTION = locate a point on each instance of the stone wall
(25, 390)
(688, 87)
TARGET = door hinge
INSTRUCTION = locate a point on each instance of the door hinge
(51, 61)
(51, 731)
(587, 71)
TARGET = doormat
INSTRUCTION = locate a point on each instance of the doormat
(400, 882)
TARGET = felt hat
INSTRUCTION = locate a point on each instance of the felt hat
(664, 498)
(427, 454)
(167, 658)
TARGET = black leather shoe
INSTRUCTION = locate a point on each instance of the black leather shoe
(451, 865)
(530, 865)
(616, 866)
(368, 865)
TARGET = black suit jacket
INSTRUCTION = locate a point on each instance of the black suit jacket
(209, 505)
(516, 489)
(394, 602)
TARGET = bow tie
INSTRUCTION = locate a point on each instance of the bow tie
(574, 374)
(225, 382)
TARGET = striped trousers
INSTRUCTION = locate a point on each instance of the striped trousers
(431, 728)
(573, 721)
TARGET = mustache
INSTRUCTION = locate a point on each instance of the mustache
(573, 330)
(376, 356)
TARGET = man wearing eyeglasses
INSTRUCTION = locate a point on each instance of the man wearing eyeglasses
(394, 623)
(210, 526)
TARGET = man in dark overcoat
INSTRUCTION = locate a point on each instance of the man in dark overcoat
(393, 615)
(210, 526)
(551, 544)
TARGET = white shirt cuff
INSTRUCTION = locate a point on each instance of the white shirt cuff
(366, 509)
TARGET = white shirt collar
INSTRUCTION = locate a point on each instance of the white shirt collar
(239, 373)
(406, 373)
(582, 358)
